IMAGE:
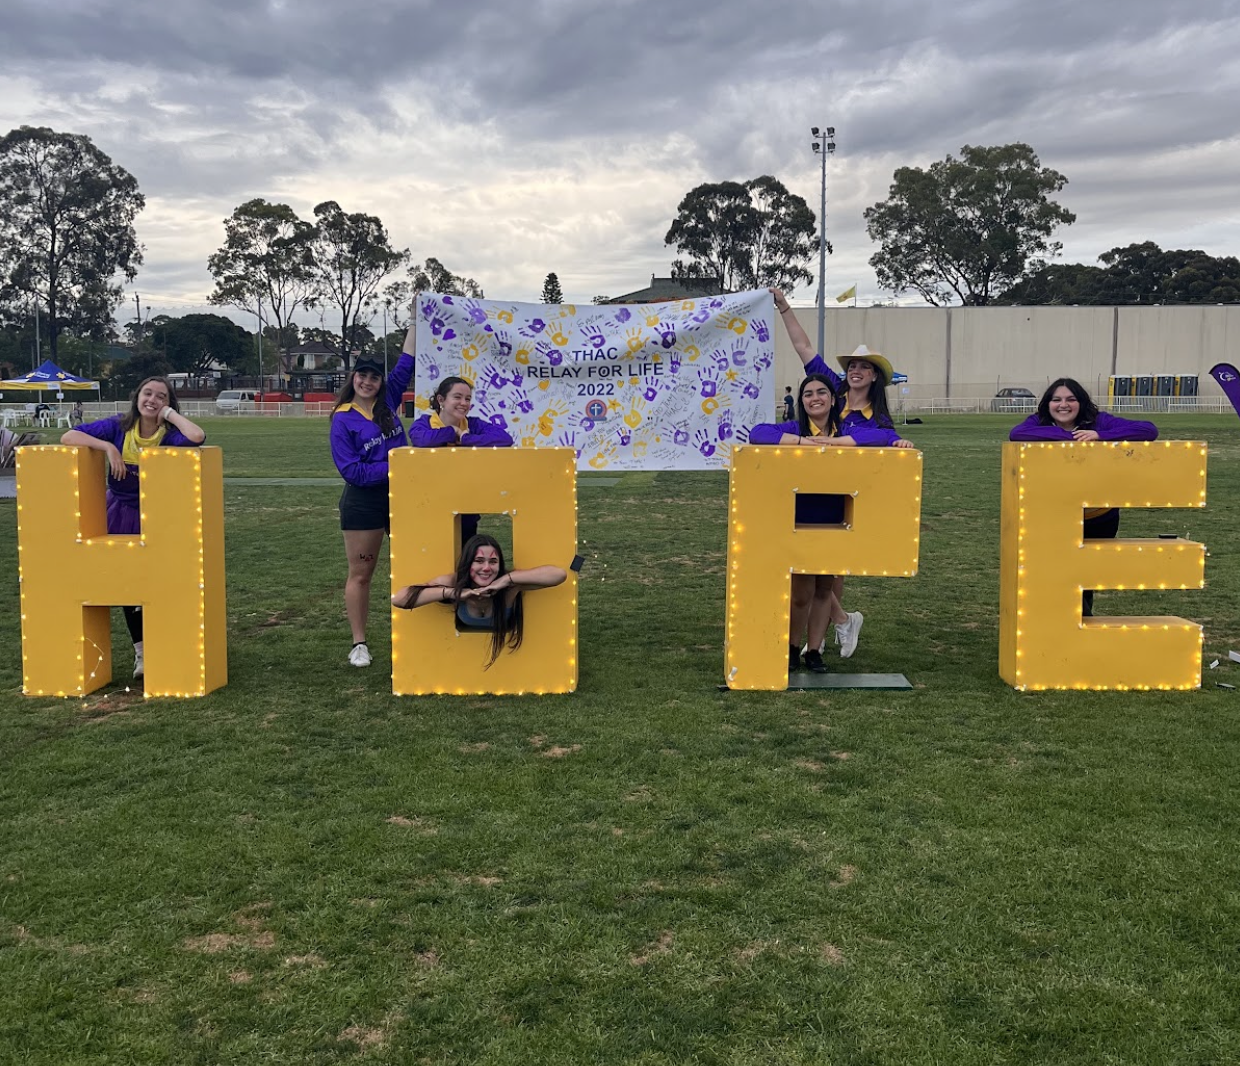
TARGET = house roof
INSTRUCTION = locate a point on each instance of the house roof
(662, 289)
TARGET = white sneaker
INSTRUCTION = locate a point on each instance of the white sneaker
(139, 667)
(847, 634)
(360, 655)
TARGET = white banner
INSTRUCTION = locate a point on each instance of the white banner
(662, 386)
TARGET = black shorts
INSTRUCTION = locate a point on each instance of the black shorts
(365, 508)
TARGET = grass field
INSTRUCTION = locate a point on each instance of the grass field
(303, 869)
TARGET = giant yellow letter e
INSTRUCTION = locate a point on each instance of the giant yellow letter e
(1045, 563)
(72, 571)
(765, 546)
(538, 488)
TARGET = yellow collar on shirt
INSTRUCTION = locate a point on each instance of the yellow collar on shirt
(133, 443)
(353, 407)
(437, 422)
(867, 411)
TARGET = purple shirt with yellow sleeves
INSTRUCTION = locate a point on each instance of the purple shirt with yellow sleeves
(359, 448)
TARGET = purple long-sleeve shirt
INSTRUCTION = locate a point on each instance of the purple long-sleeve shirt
(360, 448)
(480, 434)
(867, 432)
(109, 429)
(1107, 426)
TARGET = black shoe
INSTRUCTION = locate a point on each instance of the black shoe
(814, 663)
(794, 658)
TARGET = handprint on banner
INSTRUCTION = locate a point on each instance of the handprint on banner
(503, 340)
(524, 404)
(595, 336)
(624, 437)
(742, 434)
(557, 335)
(761, 329)
(634, 339)
(505, 317)
(553, 356)
(475, 312)
(568, 310)
(704, 444)
(763, 361)
(492, 377)
(491, 412)
(736, 325)
(634, 418)
(639, 447)
(529, 442)
(721, 359)
(674, 361)
(724, 428)
(688, 305)
(432, 368)
(702, 316)
(667, 334)
(712, 404)
(623, 315)
(522, 354)
(568, 439)
(546, 421)
(678, 433)
(533, 328)
(469, 352)
(653, 387)
(604, 457)
(692, 352)
(751, 391)
(709, 382)
(740, 355)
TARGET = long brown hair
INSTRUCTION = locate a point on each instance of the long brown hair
(507, 631)
(131, 417)
(382, 413)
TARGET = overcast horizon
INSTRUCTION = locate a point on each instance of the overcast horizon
(563, 139)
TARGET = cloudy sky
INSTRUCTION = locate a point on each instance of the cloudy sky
(510, 140)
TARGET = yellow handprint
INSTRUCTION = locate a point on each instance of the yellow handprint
(557, 336)
(653, 320)
(504, 316)
(634, 418)
(568, 311)
(522, 354)
(470, 351)
(736, 325)
(603, 458)
(529, 442)
(635, 338)
(546, 421)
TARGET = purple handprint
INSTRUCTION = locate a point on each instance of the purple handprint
(751, 391)
(624, 437)
(567, 439)
(674, 361)
(761, 329)
(493, 415)
(651, 392)
(533, 327)
(704, 443)
(725, 425)
(524, 404)
(667, 334)
(680, 435)
(710, 383)
(763, 361)
(623, 315)
(721, 358)
(505, 344)
(740, 355)
(742, 435)
(595, 336)
(493, 376)
(702, 316)
(475, 312)
(554, 356)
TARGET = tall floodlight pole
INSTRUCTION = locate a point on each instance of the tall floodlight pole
(824, 145)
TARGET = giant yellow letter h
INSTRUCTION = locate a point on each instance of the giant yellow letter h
(72, 572)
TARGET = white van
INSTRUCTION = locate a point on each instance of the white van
(235, 401)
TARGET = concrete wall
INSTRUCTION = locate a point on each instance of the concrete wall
(965, 353)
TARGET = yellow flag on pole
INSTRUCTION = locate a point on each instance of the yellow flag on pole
(847, 294)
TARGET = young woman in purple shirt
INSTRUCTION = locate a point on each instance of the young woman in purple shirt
(1066, 412)
(449, 425)
(365, 427)
(153, 420)
(833, 412)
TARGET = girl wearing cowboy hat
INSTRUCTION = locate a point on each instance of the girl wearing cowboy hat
(834, 411)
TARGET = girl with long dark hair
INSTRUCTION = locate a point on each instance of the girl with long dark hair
(483, 592)
(154, 420)
(833, 411)
(365, 427)
(1067, 412)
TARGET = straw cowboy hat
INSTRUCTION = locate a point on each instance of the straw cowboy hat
(878, 362)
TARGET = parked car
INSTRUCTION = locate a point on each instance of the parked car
(235, 401)
(1014, 400)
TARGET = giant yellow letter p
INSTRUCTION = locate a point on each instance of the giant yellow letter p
(1044, 643)
(72, 571)
(765, 546)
